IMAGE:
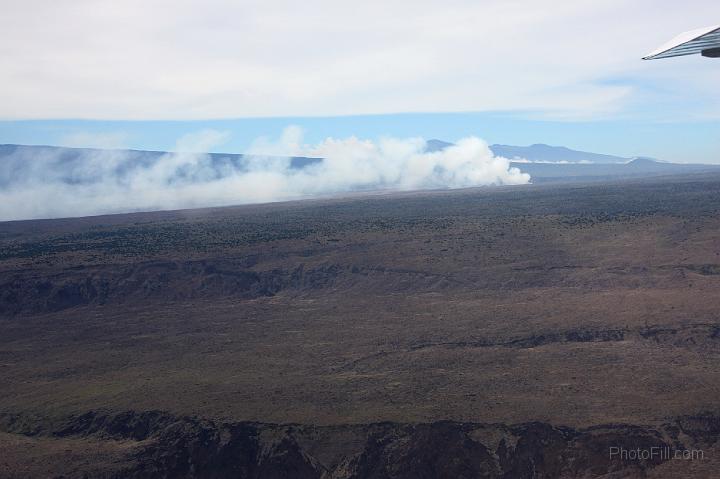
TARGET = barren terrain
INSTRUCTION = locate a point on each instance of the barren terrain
(524, 329)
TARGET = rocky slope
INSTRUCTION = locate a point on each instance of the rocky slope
(172, 446)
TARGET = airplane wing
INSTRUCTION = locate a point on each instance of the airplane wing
(705, 41)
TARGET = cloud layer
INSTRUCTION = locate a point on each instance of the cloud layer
(56, 183)
(191, 59)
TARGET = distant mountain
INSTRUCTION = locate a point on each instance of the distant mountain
(558, 164)
(432, 146)
(23, 161)
(539, 153)
(143, 156)
(545, 164)
(546, 153)
(534, 153)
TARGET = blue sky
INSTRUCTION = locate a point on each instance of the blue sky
(143, 74)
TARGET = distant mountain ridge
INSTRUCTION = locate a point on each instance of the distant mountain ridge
(558, 164)
(540, 153)
(23, 161)
(545, 164)
(64, 153)
(556, 154)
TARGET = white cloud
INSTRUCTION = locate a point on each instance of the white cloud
(192, 59)
(106, 181)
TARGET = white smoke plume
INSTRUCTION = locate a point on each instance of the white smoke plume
(50, 184)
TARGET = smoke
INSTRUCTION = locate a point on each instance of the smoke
(40, 182)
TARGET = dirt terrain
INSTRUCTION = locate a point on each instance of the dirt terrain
(492, 332)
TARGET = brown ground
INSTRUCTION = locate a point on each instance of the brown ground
(574, 305)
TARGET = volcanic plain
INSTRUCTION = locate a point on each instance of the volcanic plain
(525, 329)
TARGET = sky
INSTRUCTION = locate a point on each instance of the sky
(141, 74)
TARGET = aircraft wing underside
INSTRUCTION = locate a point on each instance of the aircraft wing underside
(705, 41)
